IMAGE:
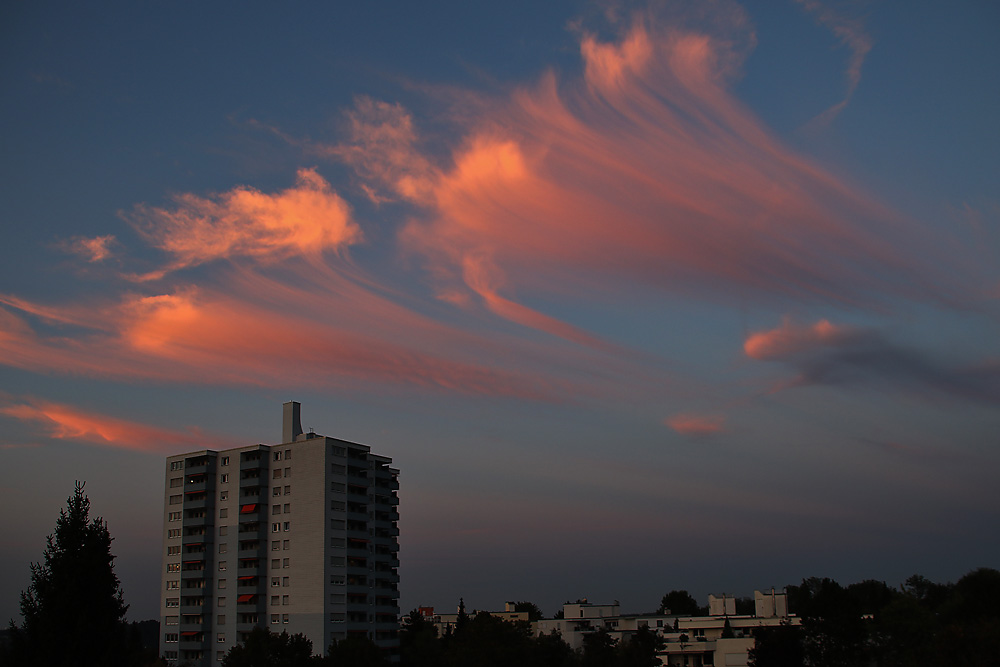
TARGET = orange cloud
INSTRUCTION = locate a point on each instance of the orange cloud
(789, 339)
(647, 171)
(94, 249)
(825, 353)
(697, 425)
(307, 219)
(65, 422)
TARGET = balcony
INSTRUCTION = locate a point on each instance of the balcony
(196, 500)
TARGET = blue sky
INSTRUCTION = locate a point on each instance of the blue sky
(637, 296)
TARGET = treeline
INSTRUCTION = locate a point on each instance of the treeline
(488, 641)
(919, 624)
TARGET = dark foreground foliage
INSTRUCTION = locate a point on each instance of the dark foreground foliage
(919, 624)
(74, 610)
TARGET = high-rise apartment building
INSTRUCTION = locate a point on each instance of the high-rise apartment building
(300, 536)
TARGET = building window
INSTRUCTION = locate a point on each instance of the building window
(287, 508)
(174, 516)
(288, 472)
(223, 548)
(224, 461)
(173, 602)
(275, 545)
(276, 491)
(337, 561)
(224, 477)
(284, 562)
(286, 545)
(176, 500)
(284, 618)
(223, 530)
(222, 583)
(275, 582)
(173, 551)
(222, 566)
(287, 525)
(221, 637)
(284, 582)
(288, 454)
(220, 619)
(176, 481)
(174, 532)
(171, 620)
(339, 451)
(220, 656)
(222, 601)
(337, 487)
(170, 637)
(337, 579)
(277, 473)
(275, 618)
(173, 584)
(284, 600)
(288, 490)
(223, 495)
(277, 456)
(275, 509)
(224, 512)
(170, 655)
(275, 527)
(275, 563)
(275, 600)
(173, 567)
(337, 469)
(177, 465)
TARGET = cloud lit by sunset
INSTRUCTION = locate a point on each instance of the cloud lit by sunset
(654, 278)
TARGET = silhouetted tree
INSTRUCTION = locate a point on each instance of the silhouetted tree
(419, 645)
(639, 649)
(834, 631)
(598, 649)
(551, 650)
(74, 609)
(534, 613)
(489, 641)
(777, 646)
(679, 603)
(355, 651)
(263, 648)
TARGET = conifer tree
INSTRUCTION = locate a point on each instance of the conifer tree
(74, 609)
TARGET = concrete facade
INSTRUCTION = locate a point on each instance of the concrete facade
(300, 536)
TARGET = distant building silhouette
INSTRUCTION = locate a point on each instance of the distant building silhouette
(300, 536)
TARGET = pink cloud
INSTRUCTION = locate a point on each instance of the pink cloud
(64, 422)
(851, 33)
(306, 220)
(829, 354)
(790, 339)
(94, 249)
(647, 171)
(697, 425)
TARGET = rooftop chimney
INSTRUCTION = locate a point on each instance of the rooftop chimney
(291, 423)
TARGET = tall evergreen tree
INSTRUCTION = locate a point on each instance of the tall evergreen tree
(74, 609)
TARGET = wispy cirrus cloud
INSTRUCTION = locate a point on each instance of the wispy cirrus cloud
(698, 426)
(66, 422)
(830, 354)
(645, 170)
(95, 249)
(851, 33)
